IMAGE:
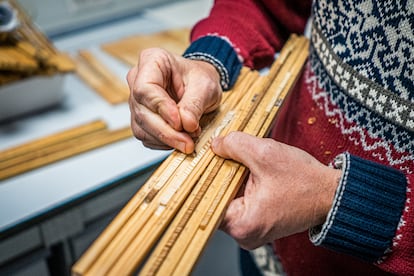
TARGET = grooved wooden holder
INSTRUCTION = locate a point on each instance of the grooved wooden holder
(165, 226)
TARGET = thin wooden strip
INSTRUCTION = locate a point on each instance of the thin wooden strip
(111, 137)
(99, 77)
(182, 227)
(97, 65)
(128, 49)
(98, 84)
(262, 112)
(43, 152)
(295, 73)
(199, 241)
(52, 139)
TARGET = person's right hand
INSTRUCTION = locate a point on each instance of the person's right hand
(169, 94)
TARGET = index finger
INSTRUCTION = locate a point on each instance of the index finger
(149, 82)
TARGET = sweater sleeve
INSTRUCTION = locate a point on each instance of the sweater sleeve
(253, 30)
(369, 218)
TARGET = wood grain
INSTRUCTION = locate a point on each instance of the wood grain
(166, 226)
(128, 49)
(57, 147)
(26, 51)
(97, 75)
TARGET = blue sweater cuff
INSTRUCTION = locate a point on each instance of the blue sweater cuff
(366, 211)
(221, 54)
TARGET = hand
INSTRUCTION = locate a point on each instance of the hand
(288, 191)
(169, 94)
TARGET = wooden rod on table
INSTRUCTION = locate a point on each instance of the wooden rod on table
(57, 138)
(72, 148)
(96, 74)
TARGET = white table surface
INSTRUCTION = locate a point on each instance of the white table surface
(36, 192)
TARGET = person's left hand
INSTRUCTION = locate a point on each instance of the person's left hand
(288, 191)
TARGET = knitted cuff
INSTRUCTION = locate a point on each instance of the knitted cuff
(219, 53)
(366, 211)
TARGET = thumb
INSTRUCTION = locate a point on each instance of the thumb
(239, 146)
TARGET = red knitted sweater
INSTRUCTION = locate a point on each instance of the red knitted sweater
(328, 115)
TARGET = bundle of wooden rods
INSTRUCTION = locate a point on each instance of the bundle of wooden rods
(164, 228)
(26, 51)
(58, 146)
(102, 79)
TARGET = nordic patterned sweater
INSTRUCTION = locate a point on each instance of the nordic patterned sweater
(355, 102)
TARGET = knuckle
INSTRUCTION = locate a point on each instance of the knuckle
(154, 53)
(264, 149)
(244, 235)
(156, 104)
(146, 53)
(161, 136)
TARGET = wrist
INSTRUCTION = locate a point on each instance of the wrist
(328, 185)
(219, 52)
(211, 70)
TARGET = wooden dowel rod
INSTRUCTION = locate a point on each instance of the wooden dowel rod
(53, 139)
(101, 79)
(75, 149)
(45, 151)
